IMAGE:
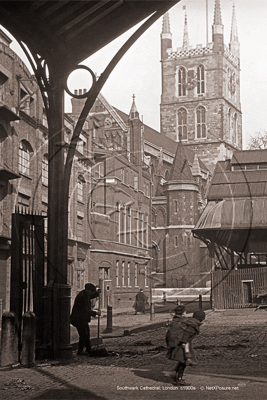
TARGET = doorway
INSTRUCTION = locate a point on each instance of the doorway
(247, 292)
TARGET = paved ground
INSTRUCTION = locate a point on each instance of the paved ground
(232, 353)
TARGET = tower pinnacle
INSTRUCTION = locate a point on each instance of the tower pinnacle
(166, 29)
(217, 28)
(185, 37)
(133, 112)
(234, 43)
(217, 13)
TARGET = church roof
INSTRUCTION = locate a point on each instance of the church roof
(162, 141)
(180, 170)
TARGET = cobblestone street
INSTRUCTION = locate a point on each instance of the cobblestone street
(231, 350)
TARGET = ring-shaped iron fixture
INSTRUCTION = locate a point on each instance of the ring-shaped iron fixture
(84, 95)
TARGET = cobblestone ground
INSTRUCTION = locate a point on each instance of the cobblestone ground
(231, 343)
(228, 343)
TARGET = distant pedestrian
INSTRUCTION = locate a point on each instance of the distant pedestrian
(140, 302)
(179, 338)
(81, 316)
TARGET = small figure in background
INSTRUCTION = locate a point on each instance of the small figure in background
(140, 302)
(180, 334)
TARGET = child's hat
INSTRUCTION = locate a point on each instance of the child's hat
(179, 310)
(199, 314)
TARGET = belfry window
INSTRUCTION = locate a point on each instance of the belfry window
(181, 82)
(201, 122)
(200, 79)
(182, 124)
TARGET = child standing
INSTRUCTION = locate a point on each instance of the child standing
(179, 337)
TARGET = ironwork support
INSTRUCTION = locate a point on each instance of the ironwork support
(56, 343)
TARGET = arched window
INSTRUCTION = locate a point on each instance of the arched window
(181, 81)
(80, 184)
(24, 157)
(229, 124)
(45, 170)
(235, 139)
(201, 122)
(229, 81)
(182, 124)
(200, 79)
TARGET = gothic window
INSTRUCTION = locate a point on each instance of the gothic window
(181, 82)
(229, 124)
(45, 170)
(235, 128)
(24, 157)
(200, 79)
(229, 81)
(182, 124)
(201, 122)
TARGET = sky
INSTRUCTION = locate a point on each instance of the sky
(139, 71)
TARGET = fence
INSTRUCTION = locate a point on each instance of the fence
(237, 288)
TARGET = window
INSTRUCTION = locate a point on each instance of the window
(176, 206)
(99, 170)
(45, 170)
(80, 189)
(24, 157)
(79, 228)
(200, 79)
(181, 82)
(122, 274)
(44, 213)
(117, 273)
(129, 225)
(146, 277)
(182, 124)
(229, 124)
(129, 274)
(201, 122)
(235, 139)
(70, 273)
(136, 182)
(135, 275)
(80, 279)
(23, 201)
(175, 241)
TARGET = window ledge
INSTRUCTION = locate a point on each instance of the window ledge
(25, 176)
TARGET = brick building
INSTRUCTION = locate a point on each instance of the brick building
(24, 168)
(201, 92)
(119, 204)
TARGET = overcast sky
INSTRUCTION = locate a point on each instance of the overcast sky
(139, 72)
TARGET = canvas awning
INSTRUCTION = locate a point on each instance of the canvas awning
(237, 223)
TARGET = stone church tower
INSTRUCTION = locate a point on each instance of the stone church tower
(200, 99)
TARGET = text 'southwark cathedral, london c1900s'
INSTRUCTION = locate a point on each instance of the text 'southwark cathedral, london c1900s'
(147, 209)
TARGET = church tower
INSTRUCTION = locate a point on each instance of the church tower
(200, 99)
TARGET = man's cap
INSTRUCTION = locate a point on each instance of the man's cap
(179, 310)
(199, 314)
(90, 286)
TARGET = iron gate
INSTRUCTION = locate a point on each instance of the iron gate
(27, 267)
